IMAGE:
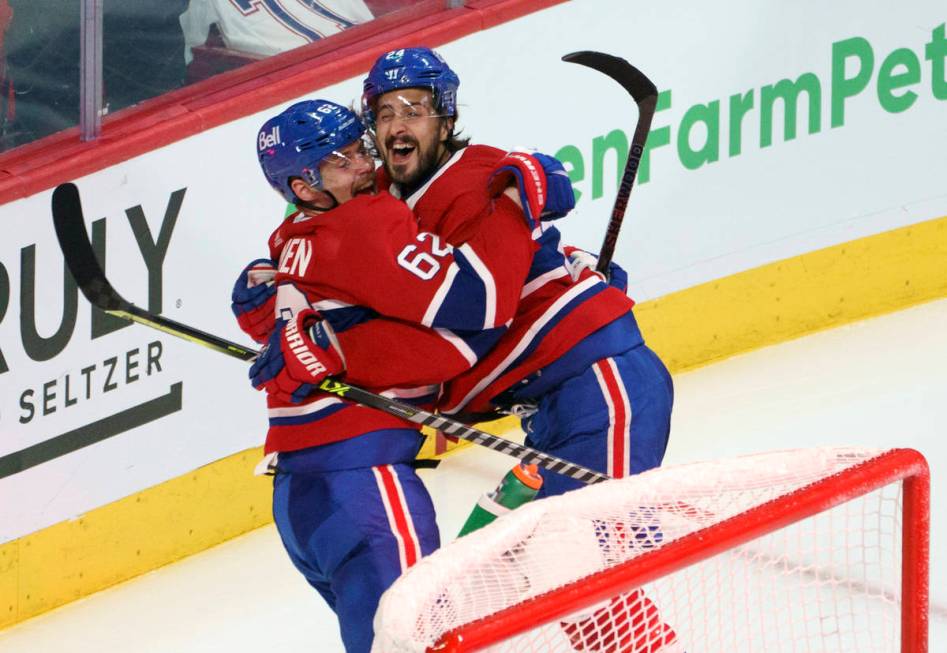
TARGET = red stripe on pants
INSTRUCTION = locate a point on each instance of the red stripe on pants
(399, 515)
(618, 427)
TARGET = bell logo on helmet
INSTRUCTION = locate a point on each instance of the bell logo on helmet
(294, 142)
(269, 139)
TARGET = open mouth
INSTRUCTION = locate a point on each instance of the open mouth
(400, 153)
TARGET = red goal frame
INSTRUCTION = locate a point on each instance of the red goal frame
(905, 465)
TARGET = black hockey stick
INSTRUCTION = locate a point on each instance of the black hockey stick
(645, 95)
(90, 277)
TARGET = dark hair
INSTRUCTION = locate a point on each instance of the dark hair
(454, 141)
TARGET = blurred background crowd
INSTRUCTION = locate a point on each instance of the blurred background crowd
(149, 47)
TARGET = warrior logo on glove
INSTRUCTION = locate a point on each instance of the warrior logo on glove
(302, 352)
(297, 357)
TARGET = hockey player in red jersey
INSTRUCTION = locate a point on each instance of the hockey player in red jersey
(353, 256)
(573, 349)
(573, 361)
(359, 291)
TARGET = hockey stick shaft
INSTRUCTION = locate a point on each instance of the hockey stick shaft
(645, 95)
(90, 277)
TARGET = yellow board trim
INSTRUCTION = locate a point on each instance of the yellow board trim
(759, 307)
(131, 536)
(797, 296)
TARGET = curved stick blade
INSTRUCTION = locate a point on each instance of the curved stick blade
(82, 262)
(645, 95)
(631, 79)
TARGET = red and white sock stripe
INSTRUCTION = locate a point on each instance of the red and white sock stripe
(619, 417)
(399, 517)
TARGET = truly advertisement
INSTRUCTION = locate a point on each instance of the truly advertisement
(72, 376)
(96, 378)
(93, 407)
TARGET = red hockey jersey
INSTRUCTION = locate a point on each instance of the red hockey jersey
(554, 312)
(444, 305)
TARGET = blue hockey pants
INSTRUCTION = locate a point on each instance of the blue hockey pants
(352, 533)
(615, 417)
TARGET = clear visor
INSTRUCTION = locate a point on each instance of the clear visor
(356, 153)
(403, 109)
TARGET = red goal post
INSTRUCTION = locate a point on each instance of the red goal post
(806, 550)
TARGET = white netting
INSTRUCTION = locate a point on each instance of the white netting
(827, 583)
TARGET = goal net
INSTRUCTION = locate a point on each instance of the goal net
(808, 550)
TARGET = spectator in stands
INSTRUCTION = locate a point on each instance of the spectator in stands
(142, 53)
(267, 27)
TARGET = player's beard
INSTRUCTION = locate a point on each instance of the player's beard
(402, 173)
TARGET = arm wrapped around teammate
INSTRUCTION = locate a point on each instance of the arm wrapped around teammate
(253, 299)
(560, 196)
(545, 190)
(581, 261)
(297, 357)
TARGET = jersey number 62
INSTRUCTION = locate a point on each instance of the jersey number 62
(421, 263)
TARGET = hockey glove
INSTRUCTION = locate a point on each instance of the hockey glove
(545, 190)
(297, 358)
(526, 172)
(253, 299)
(579, 261)
(560, 196)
